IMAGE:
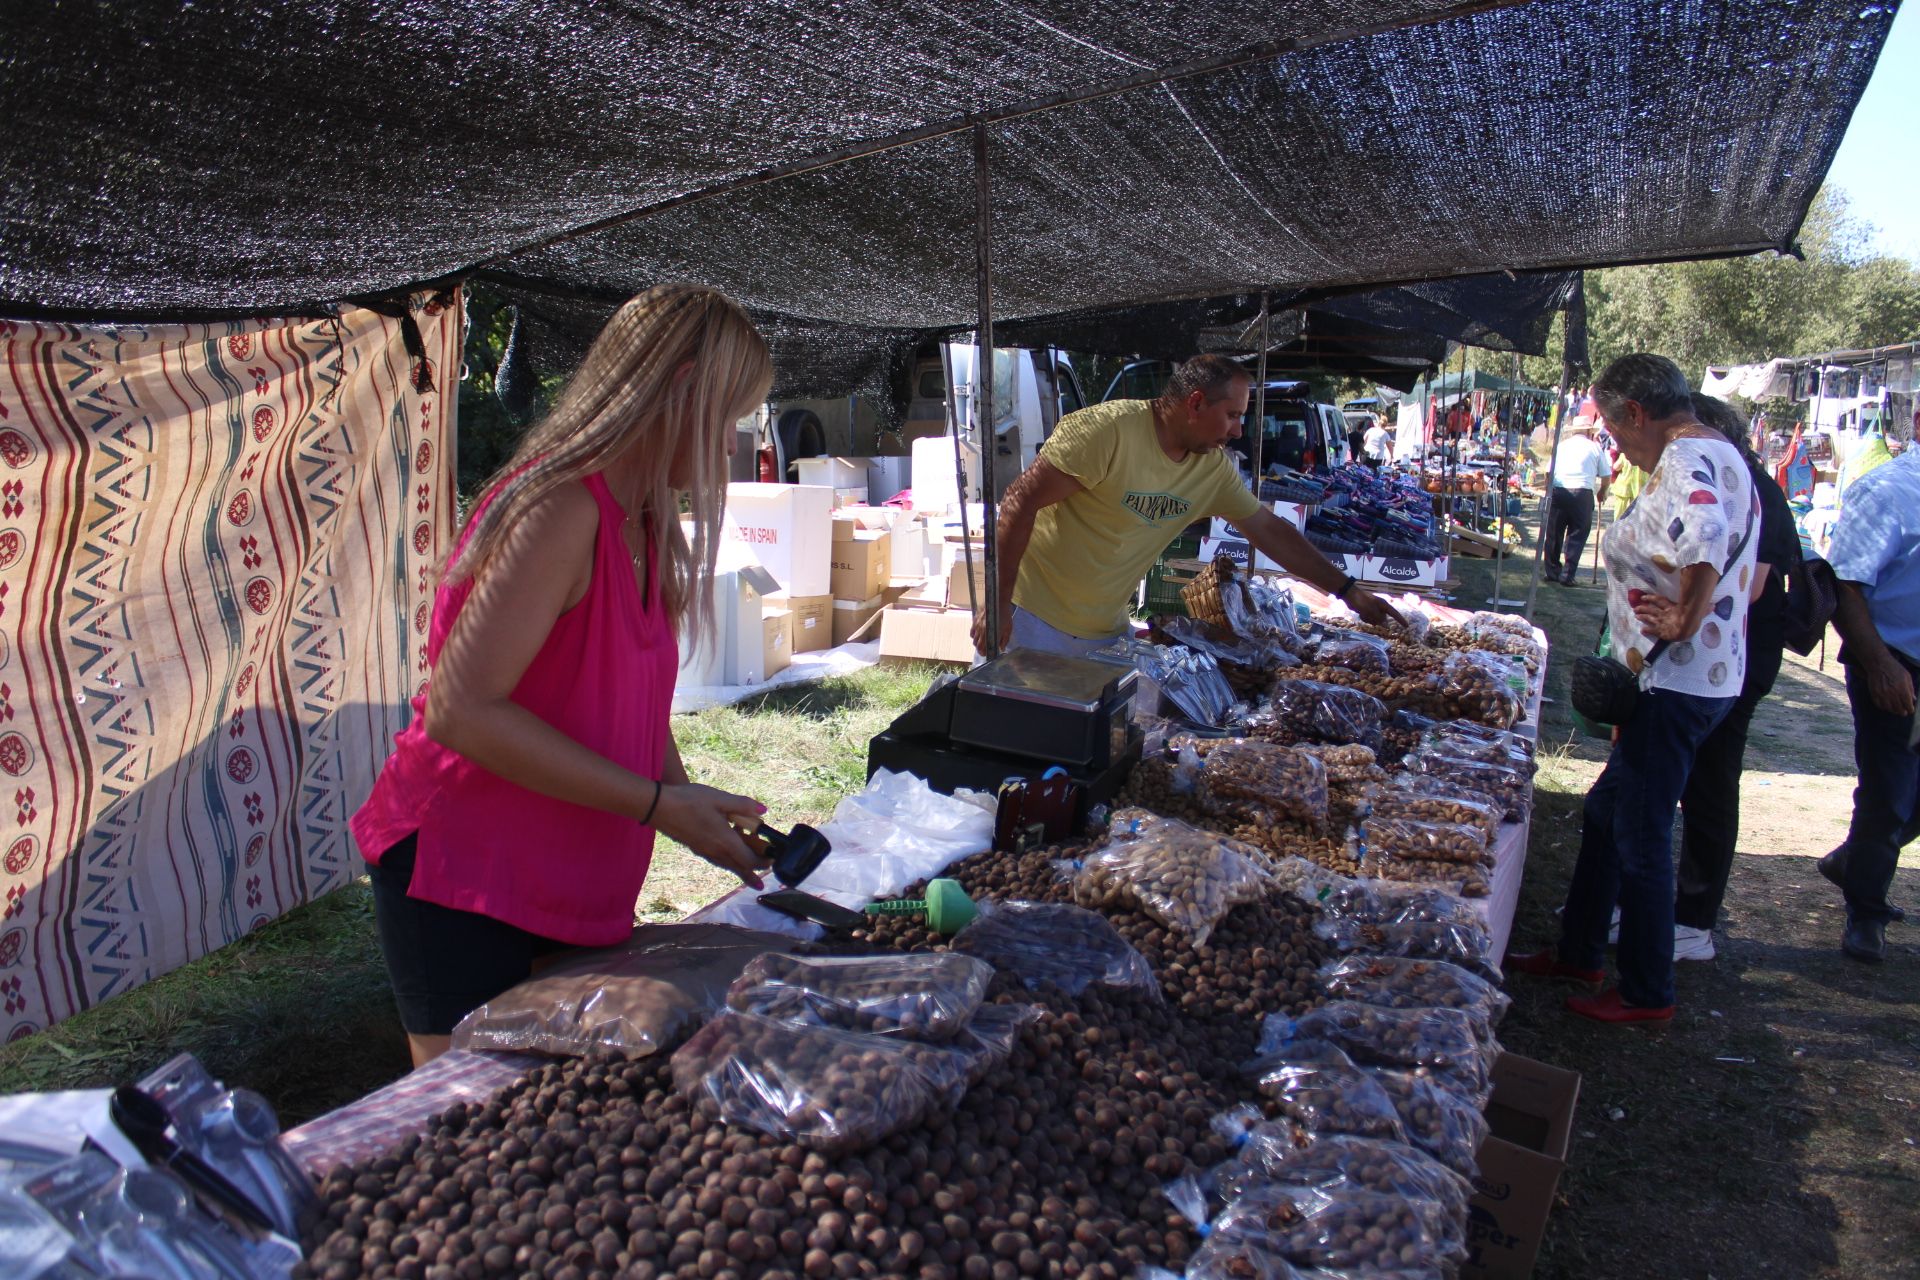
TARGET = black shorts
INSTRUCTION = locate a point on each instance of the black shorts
(443, 963)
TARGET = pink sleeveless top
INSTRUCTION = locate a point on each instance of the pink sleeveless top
(605, 678)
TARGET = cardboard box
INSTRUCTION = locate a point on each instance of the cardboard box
(1403, 573)
(1296, 513)
(1238, 550)
(832, 473)
(850, 619)
(910, 550)
(934, 488)
(927, 635)
(776, 642)
(790, 529)
(862, 565)
(734, 653)
(1531, 1114)
(812, 621)
(958, 593)
(851, 496)
(849, 522)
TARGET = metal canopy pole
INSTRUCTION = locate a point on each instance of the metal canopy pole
(983, 376)
(1260, 400)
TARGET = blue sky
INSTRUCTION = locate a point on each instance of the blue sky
(1878, 164)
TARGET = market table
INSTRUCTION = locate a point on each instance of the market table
(371, 1125)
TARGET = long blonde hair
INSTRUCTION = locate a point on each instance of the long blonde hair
(628, 394)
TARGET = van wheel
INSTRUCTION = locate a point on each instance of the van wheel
(801, 436)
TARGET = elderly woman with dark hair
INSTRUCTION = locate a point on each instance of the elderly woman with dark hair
(1680, 565)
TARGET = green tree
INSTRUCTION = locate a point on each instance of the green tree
(1839, 296)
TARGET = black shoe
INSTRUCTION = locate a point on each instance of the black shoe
(1568, 581)
(1865, 940)
(1834, 868)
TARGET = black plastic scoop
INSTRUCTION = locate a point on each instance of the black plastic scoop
(796, 854)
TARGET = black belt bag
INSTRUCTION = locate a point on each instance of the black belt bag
(1604, 690)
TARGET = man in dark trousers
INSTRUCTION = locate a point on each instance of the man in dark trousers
(1875, 554)
(1580, 476)
(1711, 802)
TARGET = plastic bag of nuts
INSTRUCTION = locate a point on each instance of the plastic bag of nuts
(1322, 1090)
(1263, 783)
(1054, 944)
(1395, 982)
(1182, 876)
(1376, 902)
(834, 1091)
(1485, 622)
(1428, 841)
(1353, 651)
(923, 996)
(1439, 784)
(1469, 946)
(1338, 1159)
(1476, 692)
(1325, 712)
(1481, 742)
(636, 998)
(1509, 787)
(1462, 879)
(1443, 1041)
(1446, 1125)
(1335, 1228)
(1392, 803)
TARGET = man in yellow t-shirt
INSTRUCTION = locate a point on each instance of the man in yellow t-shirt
(1113, 485)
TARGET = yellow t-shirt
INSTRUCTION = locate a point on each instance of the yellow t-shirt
(1088, 553)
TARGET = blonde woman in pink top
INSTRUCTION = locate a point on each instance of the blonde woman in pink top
(516, 815)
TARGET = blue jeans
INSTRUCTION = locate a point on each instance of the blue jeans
(1029, 632)
(1626, 844)
(1884, 816)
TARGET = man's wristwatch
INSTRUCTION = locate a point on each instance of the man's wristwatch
(1346, 584)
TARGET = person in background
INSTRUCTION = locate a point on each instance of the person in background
(1628, 481)
(516, 815)
(1357, 439)
(1459, 419)
(1113, 485)
(1378, 445)
(1679, 568)
(1710, 806)
(1579, 477)
(1875, 554)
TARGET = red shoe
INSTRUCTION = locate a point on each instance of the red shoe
(1609, 1007)
(1545, 964)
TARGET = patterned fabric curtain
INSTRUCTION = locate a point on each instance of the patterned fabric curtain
(216, 546)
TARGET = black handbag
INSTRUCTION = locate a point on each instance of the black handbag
(1604, 690)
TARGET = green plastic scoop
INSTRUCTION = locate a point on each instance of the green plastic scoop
(947, 907)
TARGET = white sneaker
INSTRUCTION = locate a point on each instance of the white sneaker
(1692, 944)
(1613, 929)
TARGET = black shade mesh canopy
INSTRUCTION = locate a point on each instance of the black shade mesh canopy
(812, 159)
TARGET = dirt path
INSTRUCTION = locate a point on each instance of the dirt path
(1771, 1131)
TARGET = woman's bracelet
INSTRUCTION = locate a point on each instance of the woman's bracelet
(658, 787)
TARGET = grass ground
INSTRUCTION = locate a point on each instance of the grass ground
(1769, 1132)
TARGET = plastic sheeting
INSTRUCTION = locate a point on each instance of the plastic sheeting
(814, 161)
(895, 832)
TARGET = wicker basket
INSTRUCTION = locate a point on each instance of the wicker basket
(1202, 595)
